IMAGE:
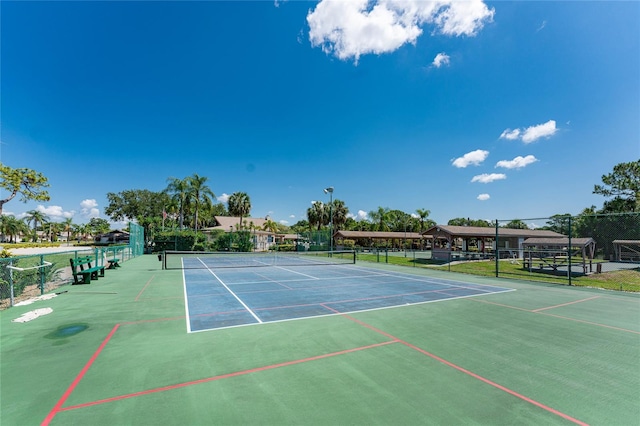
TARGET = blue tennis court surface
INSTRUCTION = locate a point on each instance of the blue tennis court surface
(228, 297)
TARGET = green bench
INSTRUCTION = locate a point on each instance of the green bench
(113, 263)
(82, 270)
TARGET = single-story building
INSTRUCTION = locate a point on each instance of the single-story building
(262, 239)
(448, 239)
(367, 238)
(116, 236)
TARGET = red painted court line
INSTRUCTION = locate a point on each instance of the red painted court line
(223, 376)
(565, 304)
(559, 316)
(474, 375)
(144, 288)
(153, 320)
(58, 407)
(591, 323)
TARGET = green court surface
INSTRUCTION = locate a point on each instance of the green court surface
(117, 352)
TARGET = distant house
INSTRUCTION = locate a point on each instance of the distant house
(262, 239)
(113, 237)
(448, 239)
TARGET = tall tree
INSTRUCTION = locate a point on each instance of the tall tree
(270, 226)
(423, 214)
(516, 224)
(141, 205)
(36, 217)
(316, 215)
(26, 182)
(559, 223)
(97, 226)
(623, 184)
(465, 221)
(239, 205)
(199, 192)
(178, 189)
(68, 227)
(12, 227)
(380, 218)
(339, 212)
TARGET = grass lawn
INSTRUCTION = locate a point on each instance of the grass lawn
(627, 280)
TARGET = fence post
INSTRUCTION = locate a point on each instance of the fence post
(42, 273)
(569, 254)
(497, 253)
(11, 283)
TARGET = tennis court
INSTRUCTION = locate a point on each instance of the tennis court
(331, 344)
(232, 289)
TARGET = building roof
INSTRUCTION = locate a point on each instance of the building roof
(230, 222)
(379, 235)
(489, 232)
(558, 242)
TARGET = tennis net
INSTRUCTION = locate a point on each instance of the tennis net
(203, 260)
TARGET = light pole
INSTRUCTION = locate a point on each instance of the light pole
(329, 191)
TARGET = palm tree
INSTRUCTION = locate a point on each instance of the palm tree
(68, 226)
(199, 192)
(11, 226)
(423, 214)
(339, 213)
(316, 214)
(380, 217)
(270, 226)
(83, 230)
(178, 189)
(239, 205)
(37, 217)
(54, 229)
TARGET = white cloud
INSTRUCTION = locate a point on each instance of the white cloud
(284, 222)
(544, 24)
(89, 208)
(517, 162)
(488, 178)
(441, 59)
(483, 197)
(361, 215)
(510, 134)
(531, 133)
(223, 198)
(55, 213)
(292, 216)
(350, 29)
(471, 158)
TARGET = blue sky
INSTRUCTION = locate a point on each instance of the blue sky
(487, 110)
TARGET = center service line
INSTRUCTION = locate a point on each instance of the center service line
(233, 294)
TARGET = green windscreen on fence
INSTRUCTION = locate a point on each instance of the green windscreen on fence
(136, 239)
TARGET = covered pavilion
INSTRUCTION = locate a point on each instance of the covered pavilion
(448, 239)
(368, 238)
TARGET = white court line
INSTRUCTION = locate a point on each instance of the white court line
(233, 294)
(296, 272)
(359, 311)
(186, 298)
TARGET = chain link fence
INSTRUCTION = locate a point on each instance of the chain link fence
(23, 277)
(600, 251)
